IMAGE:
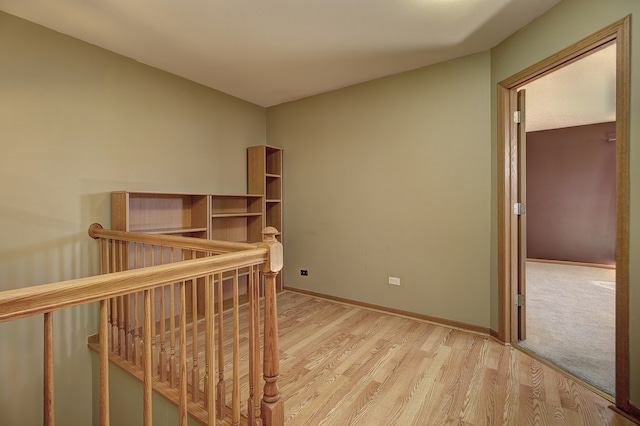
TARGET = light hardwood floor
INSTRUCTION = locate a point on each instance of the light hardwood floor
(346, 365)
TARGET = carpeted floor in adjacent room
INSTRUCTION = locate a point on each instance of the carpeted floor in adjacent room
(571, 320)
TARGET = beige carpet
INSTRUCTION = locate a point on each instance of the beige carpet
(571, 320)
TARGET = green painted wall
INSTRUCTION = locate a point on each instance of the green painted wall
(78, 122)
(126, 400)
(392, 178)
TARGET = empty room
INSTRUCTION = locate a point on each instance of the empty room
(292, 213)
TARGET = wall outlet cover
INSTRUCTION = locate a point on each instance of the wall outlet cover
(394, 280)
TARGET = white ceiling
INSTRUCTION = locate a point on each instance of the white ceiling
(273, 51)
(583, 92)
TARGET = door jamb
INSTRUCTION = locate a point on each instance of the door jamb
(507, 190)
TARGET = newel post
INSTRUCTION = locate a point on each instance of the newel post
(272, 407)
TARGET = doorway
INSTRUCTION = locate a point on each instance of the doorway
(569, 121)
(511, 257)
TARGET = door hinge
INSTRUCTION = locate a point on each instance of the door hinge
(520, 300)
(517, 117)
(519, 209)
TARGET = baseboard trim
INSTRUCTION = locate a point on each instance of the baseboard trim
(495, 336)
(567, 262)
(635, 412)
(436, 320)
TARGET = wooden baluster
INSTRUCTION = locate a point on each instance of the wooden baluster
(235, 394)
(101, 254)
(114, 303)
(250, 405)
(172, 330)
(154, 344)
(272, 407)
(121, 349)
(114, 324)
(195, 372)
(253, 405)
(222, 387)
(209, 376)
(131, 264)
(182, 408)
(121, 333)
(108, 257)
(104, 269)
(163, 337)
(162, 359)
(48, 405)
(136, 326)
(147, 362)
(145, 248)
(136, 313)
(104, 363)
(107, 270)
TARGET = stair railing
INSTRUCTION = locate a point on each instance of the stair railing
(144, 280)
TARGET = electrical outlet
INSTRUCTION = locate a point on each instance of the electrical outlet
(394, 280)
(304, 272)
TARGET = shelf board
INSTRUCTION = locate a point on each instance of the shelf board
(219, 196)
(161, 194)
(272, 175)
(245, 214)
(167, 231)
(273, 201)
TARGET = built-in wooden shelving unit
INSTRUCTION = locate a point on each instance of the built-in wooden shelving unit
(237, 218)
(160, 213)
(264, 177)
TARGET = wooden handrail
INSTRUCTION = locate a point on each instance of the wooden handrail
(118, 289)
(213, 246)
(24, 302)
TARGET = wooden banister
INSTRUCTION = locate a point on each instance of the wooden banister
(214, 246)
(29, 301)
(136, 324)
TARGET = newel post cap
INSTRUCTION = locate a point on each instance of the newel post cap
(93, 228)
(275, 261)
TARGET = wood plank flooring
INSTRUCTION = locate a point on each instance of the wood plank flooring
(345, 365)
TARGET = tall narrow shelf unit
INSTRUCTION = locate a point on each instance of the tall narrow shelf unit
(264, 177)
(237, 218)
(161, 213)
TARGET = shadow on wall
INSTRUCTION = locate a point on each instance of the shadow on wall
(72, 255)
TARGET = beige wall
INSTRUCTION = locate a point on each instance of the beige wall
(76, 123)
(567, 23)
(126, 400)
(392, 178)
